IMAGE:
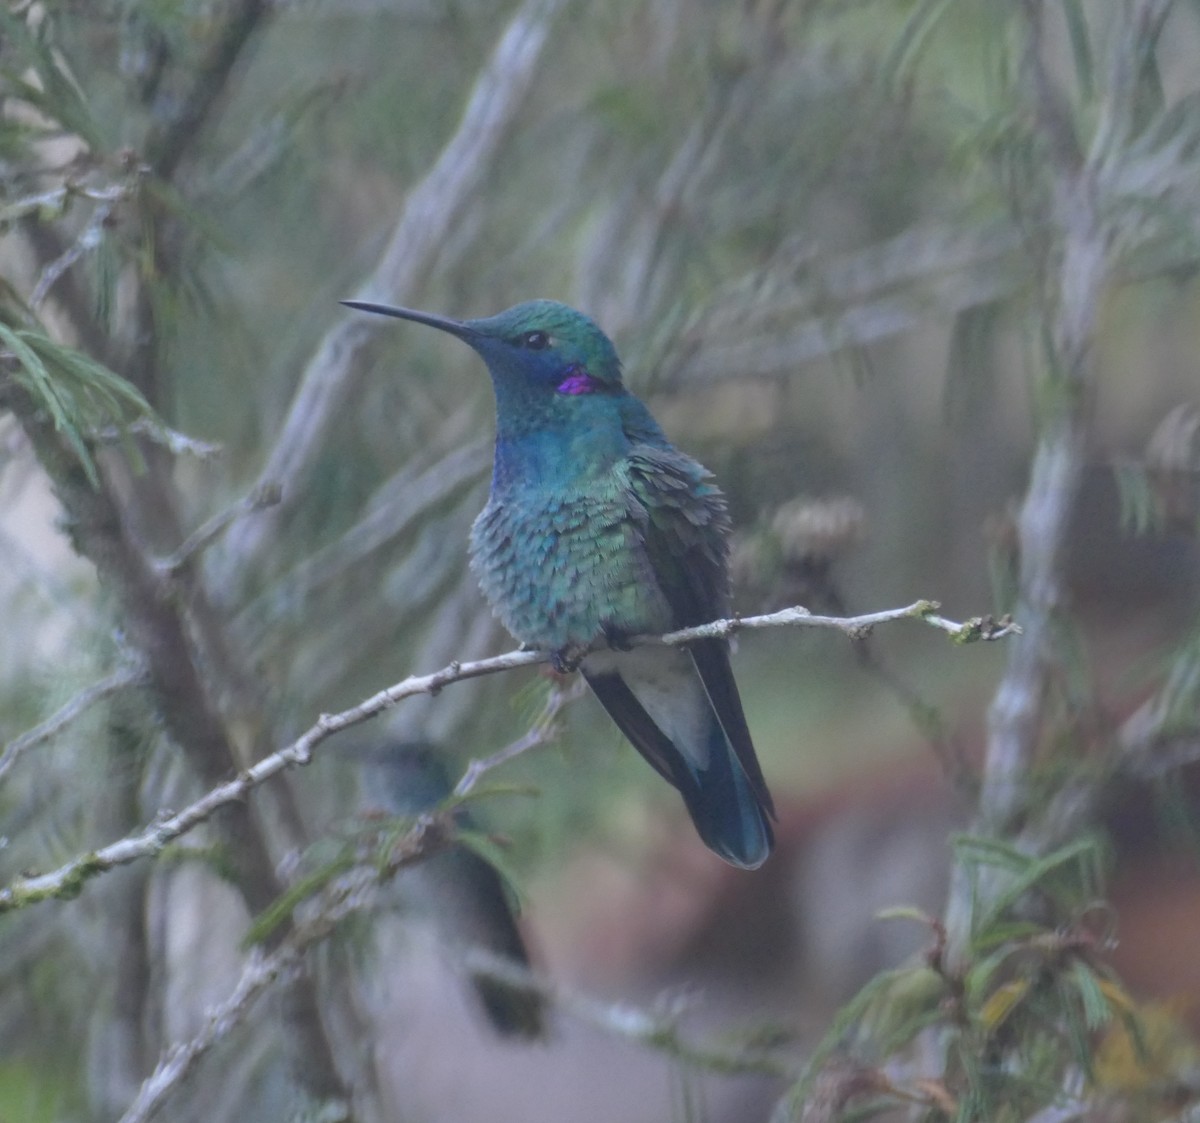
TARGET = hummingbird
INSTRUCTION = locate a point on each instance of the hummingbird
(462, 892)
(597, 529)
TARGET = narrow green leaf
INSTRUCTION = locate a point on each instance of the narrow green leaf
(1097, 1012)
(1083, 852)
(278, 911)
(978, 850)
(1077, 1030)
(912, 40)
(1005, 932)
(42, 386)
(1081, 48)
(58, 94)
(1138, 509)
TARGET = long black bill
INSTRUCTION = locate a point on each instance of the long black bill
(443, 323)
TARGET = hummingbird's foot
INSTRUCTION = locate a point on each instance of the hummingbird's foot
(616, 639)
(566, 660)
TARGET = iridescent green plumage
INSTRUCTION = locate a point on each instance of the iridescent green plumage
(598, 528)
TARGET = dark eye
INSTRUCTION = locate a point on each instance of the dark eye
(536, 340)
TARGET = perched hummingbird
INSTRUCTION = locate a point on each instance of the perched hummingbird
(597, 528)
(464, 894)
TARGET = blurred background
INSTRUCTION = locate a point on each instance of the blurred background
(822, 236)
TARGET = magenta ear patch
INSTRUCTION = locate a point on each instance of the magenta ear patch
(578, 381)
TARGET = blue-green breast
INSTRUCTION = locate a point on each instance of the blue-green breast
(559, 566)
(564, 563)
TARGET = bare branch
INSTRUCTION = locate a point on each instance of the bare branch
(84, 700)
(178, 1062)
(659, 1029)
(172, 440)
(1076, 280)
(543, 729)
(68, 879)
(89, 238)
(354, 891)
(55, 199)
(262, 497)
(856, 627)
(1076, 264)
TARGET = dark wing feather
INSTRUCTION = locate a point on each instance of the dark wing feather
(632, 720)
(711, 657)
(685, 533)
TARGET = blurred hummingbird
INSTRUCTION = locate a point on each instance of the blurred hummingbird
(464, 894)
(597, 528)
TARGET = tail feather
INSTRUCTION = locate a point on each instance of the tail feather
(730, 808)
(726, 809)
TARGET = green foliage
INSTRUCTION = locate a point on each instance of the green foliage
(26, 1095)
(81, 395)
(1018, 1019)
(1071, 876)
(1140, 513)
(50, 89)
(275, 916)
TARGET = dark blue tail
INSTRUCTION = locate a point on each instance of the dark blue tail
(730, 811)
(727, 812)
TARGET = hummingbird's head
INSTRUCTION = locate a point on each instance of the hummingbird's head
(551, 345)
(540, 347)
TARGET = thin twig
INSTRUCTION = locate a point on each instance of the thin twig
(55, 198)
(86, 698)
(659, 1029)
(186, 116)
(69, 878)
(544, 729)
(856, 627)
(172, 440)
(89, 239)
(263, 496)
(177, 1063)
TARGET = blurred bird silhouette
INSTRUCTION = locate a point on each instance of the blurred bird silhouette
(462, 894)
